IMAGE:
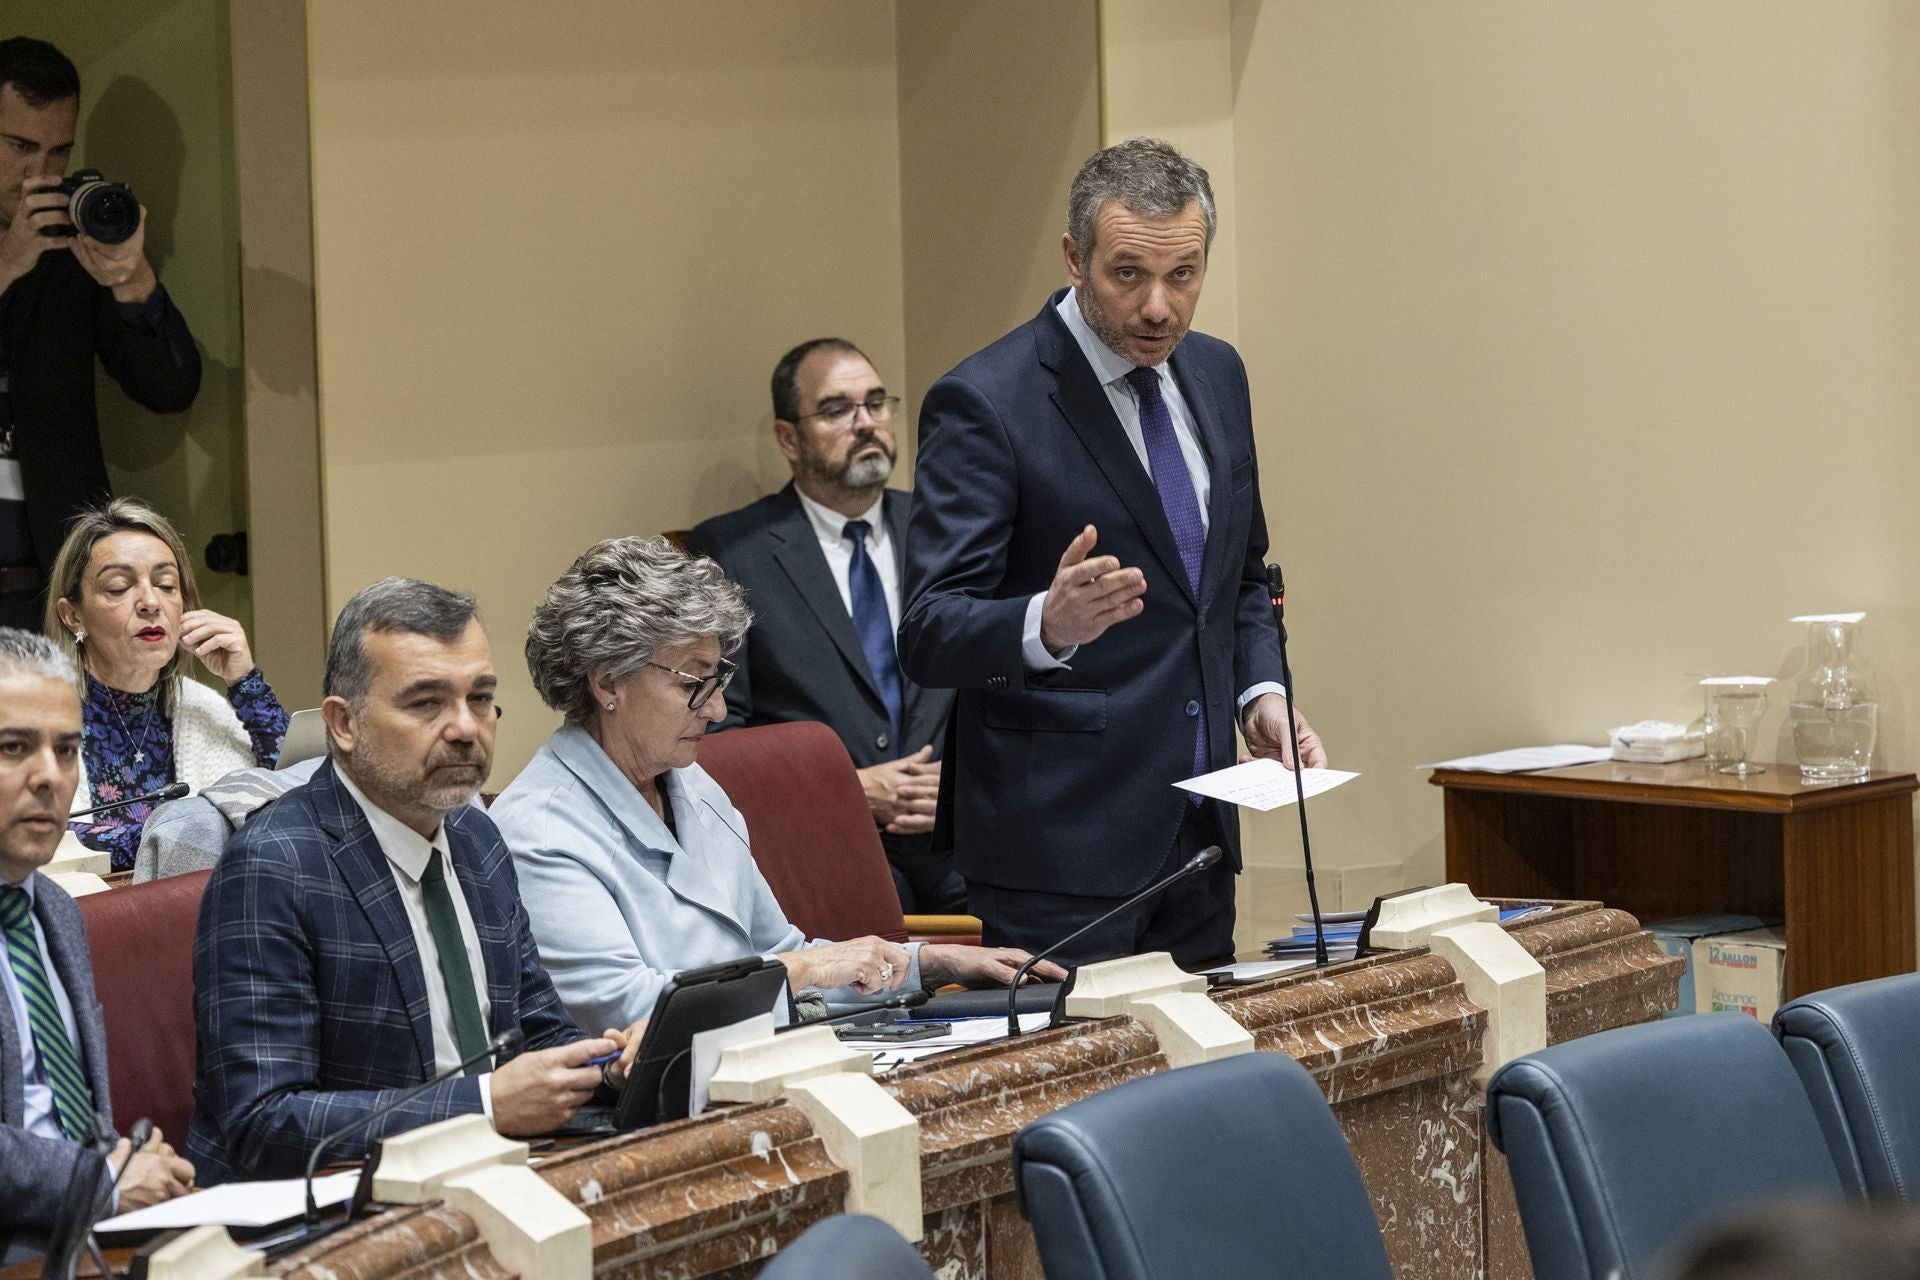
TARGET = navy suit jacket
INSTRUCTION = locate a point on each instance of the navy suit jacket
(309, 996)
(1062, 781)
(34, 1171)
(802, 659)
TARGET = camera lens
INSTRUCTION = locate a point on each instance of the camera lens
(106, 211)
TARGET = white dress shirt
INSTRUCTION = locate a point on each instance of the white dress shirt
(1112, 369)
(407, 855)
(38, 1115)
(830, 527)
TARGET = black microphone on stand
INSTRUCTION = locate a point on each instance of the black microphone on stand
(72, 1227)
(172, 791)
(1277, 593)
(1197, 863)
(506, 1042)
(137, 1137)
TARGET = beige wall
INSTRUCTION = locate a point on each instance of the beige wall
(276, 250)
(999, 105)
(1582, 342)
(156, 113)
(556, 261)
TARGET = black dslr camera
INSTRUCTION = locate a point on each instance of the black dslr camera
(104, 210)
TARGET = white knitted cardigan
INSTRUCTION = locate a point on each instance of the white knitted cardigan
(209, 742)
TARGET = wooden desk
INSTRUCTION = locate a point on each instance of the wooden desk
(1393, 1039)
(1835, 860)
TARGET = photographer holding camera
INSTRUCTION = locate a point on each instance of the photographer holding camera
(74, 282)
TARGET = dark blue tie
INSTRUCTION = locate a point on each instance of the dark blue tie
(874, 625)
(1182, 508)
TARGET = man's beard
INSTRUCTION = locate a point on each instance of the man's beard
(1111, 335)
(419, 790)
(856, 476)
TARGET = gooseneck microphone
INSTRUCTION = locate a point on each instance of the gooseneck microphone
(72, 1228)
(506, 1042)
(172, 791)
(1197, 863)
(1277, 594)
(137, 1138)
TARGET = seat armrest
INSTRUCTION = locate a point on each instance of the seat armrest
(943, 924)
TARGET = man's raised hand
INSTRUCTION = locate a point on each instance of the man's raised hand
(1088, 595)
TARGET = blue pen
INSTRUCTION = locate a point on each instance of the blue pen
(602, 1060)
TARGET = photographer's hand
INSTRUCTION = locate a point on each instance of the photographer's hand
(22, 245)
(121, 267)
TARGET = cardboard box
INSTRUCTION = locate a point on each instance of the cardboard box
(1676, 938)
(1745, 972)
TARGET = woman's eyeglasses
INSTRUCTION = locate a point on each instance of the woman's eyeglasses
(701, 688)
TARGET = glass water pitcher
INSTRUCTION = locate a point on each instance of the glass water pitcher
(1835, 717)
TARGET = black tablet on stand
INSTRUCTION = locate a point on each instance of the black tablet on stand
(696, 1000)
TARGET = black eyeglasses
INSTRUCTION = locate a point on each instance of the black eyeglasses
(841, 413)
(701, 688)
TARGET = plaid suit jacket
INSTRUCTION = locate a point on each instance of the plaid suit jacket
(309, 996)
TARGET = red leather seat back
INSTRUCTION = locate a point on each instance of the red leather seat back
(811, 831)
(141, 938)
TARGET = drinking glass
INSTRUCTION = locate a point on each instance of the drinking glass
(1735, 705)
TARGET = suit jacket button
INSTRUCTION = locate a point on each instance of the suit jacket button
(1193, 708)
(881, 742)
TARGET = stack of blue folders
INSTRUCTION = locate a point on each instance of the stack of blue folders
(1343, 932)
(1343, 937)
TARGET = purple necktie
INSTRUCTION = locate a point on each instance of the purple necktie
(1182, 508)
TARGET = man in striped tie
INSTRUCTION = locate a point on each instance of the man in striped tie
(53, 1061)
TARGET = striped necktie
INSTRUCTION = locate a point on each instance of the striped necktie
(59, 1060)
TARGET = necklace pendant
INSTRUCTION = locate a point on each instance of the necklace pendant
(140, 757)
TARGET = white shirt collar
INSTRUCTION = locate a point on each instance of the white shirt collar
(405, 848)
(1108, 365)
(830, 526)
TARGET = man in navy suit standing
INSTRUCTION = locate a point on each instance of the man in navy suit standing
(1090, 684)
(365, 931)
(821, 561)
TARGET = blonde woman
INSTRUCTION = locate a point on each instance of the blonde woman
(123, 601)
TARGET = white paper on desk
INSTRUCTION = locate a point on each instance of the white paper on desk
(1256, 970)
(1263, 784)
(706, 1054)
(1526, 759)
(238, 1204)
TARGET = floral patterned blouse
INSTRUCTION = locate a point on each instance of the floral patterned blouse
(128, 745)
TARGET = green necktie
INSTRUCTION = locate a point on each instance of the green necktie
(59, 1062)
(463, 1005)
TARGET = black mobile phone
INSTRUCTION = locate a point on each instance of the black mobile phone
(895, 1032)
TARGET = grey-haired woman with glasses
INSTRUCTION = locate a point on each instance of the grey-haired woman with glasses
(633, 863)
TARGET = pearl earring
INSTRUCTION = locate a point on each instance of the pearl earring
(609, 706)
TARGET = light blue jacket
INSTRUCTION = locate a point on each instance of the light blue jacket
(619, 905)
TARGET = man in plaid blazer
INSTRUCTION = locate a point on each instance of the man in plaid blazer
(365, 930)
